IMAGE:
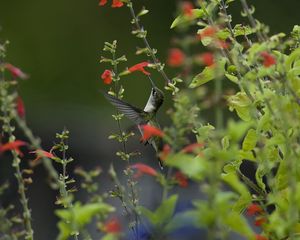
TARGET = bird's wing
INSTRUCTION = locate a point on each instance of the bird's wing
(133, 113)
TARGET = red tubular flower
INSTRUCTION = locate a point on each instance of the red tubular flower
(107, 77)
(181, 179)
(253, 209)
(102, 2)
(208, 32)
(139, 67)
(20, 107)
(150, 131)
(41, 153)
(259, 221)
(260, 237)
(143, 169)
(15, 72)
(192, 147)
(117, 4)
(207, 58)
(112, 226)
(268, 59)
(187, 9)
(13, 146)
(175, 57)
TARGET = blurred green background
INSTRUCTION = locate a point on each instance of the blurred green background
(59, 44)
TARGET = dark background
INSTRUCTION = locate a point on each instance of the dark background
(59, 44)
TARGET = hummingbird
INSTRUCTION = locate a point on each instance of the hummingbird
(143, 116)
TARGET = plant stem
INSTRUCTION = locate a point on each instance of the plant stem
(150, 50)
(130, 177)
(35, 142)
(16, 160)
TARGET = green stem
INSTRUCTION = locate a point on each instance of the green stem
(16, 160)
(35, 142)
(150, 50)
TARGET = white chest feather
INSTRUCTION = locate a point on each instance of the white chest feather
(150, 105)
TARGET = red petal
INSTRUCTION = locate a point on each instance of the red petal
(107, 77)
(150, 131)
(112, 226)
(13, 146)
(16, 72)
(139, 67)
(269, 60)
(187, 8)
(117, 4)
(253, 209)
(102, 2)
(144, 169)
(260, 237)
(20, 107)
(181, 179)
(176, 57)
(192, 147)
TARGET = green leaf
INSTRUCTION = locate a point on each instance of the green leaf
(205, 76)
(237, 223)
(242, 30)
(209, 73)
(183, 19)
(250, 140)
(259, 174)
(236, 130)
(241, 104)
(182, 219)
(233, 181)
(163, 213)
(110, 236)
(75, 218)
(232, 78)
(191, 166)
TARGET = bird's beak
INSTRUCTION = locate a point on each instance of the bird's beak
(152, 83)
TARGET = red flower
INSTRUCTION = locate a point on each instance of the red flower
(102, 2)
(139, 67)
(208, 32)
(187, 9)
(112, 226)
(107, 77)
(41, 153)
(16, 72)
(165, 152)
(260, 221)
(117, 4)
(143, 169)
(13, 146)
(20, 107)
(181, 179)
(150, 131)
(260, 237)
(253, 209)
(221, 44)
(269, 60)
(207, 58)
(175, 58)
(192, 147)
